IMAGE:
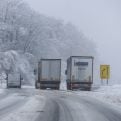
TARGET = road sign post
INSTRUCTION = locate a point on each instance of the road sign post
(104, 73)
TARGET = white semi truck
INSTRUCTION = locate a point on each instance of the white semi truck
(49, 74)
(14, 80)
(79, 72)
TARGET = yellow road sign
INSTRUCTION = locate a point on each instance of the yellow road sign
(104, 71)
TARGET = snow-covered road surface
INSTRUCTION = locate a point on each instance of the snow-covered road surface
(71, 107)
(20, 104)
(29, 104)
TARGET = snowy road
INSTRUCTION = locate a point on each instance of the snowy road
(70, 107)
(10, 101)
(37, 105)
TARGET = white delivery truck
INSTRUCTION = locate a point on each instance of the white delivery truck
(79, 72)
(49, 74)
(14, 80)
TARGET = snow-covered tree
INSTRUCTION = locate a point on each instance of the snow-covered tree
(30, 35)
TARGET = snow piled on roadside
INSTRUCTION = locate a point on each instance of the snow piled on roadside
(2, 81)
(111, 94)
(2, 91)
(63, 85)
(106, 94)
(16, 62)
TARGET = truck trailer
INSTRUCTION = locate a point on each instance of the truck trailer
(14, 80)
(79, 72)
(49, 74)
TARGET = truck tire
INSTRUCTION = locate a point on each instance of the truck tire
(36, 87)
(43, 88)
(57, 88)
(89, 89)
(68, 86)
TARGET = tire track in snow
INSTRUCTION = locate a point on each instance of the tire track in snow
(11, 103)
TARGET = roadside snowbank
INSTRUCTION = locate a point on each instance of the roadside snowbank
(16, 62)
(2, 91)
(107, 94)
(111, 94)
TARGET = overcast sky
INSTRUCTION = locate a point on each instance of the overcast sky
(99, 20)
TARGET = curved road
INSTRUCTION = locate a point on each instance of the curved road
(59, 106)
(71, 107)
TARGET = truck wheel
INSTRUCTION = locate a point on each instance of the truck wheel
(43, 88)
(36, 87)
(57, 88)
(89, 89)
(68, 87)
